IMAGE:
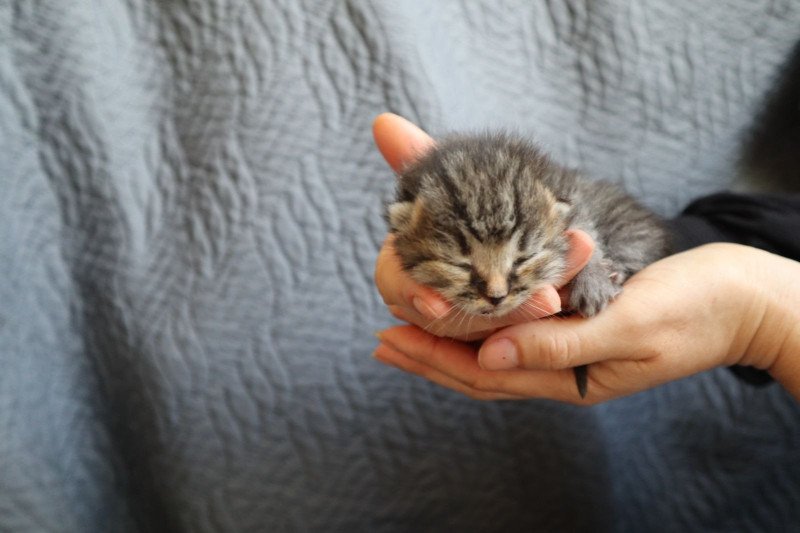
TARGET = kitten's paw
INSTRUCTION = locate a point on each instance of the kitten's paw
(591, 294)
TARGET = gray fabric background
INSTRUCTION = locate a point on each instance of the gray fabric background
(190, 206)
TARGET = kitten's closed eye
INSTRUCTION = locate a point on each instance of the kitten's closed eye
(521, 260)
(463, 266)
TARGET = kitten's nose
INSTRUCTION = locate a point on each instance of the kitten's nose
(496, 289)
(495, 300)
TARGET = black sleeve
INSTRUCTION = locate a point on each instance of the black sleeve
(768, 222)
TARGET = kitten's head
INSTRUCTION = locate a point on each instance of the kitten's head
(474, 220)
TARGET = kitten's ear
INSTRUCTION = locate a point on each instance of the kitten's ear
(399, 214)
(402, 215)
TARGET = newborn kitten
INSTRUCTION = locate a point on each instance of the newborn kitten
(481, 219)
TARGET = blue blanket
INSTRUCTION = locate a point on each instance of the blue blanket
(190, 212)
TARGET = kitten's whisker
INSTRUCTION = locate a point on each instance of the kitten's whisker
(536, 312)
(452, 315)
(529, 310)
(432, 324)
(469, 322)
(537, 309)
(528, 313)
(464, 316)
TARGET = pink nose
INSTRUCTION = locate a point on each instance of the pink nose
(496, 289)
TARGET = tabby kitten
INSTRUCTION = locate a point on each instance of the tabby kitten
(481, 218)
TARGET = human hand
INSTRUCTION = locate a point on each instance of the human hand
(684, 314)
(401, 142)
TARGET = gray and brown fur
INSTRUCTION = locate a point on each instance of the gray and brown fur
(482, 219)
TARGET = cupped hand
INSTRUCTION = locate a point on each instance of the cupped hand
(401, 142)
(707, 307)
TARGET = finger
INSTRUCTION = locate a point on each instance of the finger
(397, 288)
(564, 294)
(399, 141)
(561, 343)
(431, 350)
(457, 361)
(581, 247)
(544, 303)
(388, 355)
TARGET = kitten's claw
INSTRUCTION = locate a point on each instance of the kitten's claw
(582, 379)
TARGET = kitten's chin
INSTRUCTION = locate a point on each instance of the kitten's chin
(493, 313)
(488, 311)
(496, 313)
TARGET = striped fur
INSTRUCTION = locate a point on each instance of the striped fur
(481, 218)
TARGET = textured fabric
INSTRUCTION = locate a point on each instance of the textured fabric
(189, 217)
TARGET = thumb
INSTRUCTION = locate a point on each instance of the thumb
(399, 141)
(581, 247)
(560, 343)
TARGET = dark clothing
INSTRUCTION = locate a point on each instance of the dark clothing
(768, 222)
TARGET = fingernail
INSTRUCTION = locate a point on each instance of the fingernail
(499, 354)
(434, 310)
(553, 301)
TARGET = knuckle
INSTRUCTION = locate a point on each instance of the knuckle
(557, 352)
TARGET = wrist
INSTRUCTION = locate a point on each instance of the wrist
(786, 369)
(775, 343)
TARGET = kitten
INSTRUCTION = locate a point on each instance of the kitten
(481, 219)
